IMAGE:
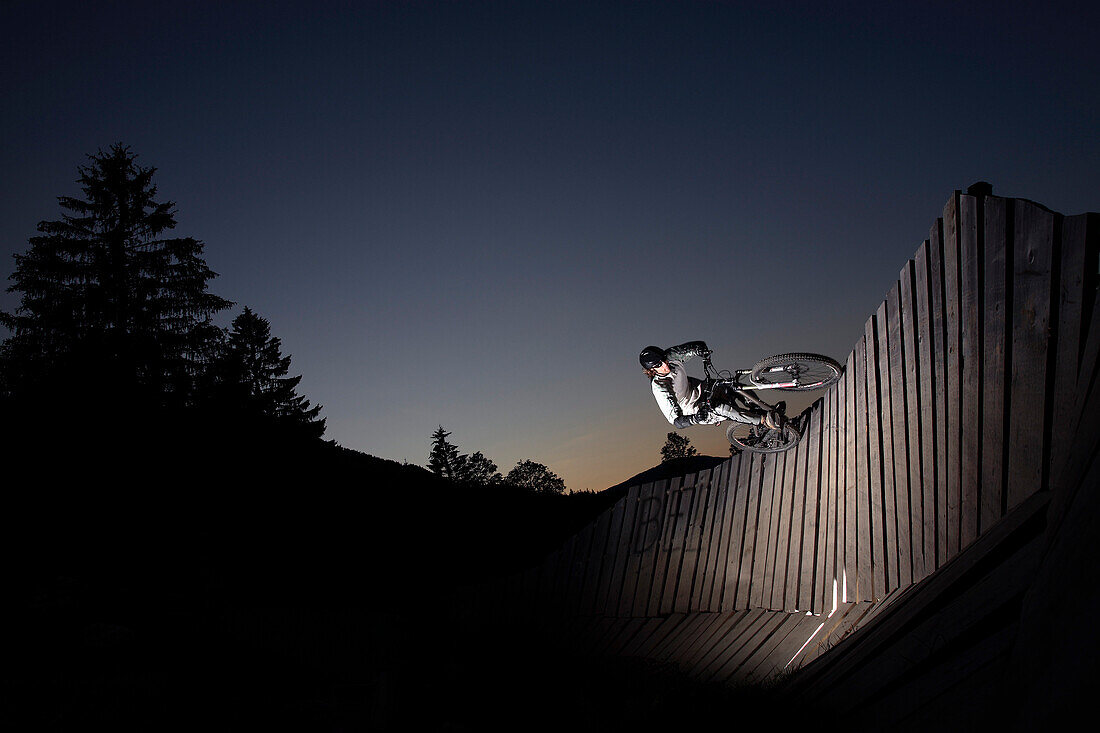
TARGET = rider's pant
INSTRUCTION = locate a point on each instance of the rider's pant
(732, 413)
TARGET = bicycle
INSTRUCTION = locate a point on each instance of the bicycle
(789, 372)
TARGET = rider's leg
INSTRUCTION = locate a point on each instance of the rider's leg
(732, 413)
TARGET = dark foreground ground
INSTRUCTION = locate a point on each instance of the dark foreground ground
(164, 578)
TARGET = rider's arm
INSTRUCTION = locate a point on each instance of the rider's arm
(664, 401)
(685, 351)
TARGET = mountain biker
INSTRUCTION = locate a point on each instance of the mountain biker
(679, 395)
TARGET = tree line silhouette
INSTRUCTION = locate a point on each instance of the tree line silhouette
(445, 461)
(115, 318)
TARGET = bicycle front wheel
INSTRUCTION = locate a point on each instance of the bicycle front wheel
(796, 372)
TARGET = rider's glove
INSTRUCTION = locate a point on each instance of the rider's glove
(683, 421)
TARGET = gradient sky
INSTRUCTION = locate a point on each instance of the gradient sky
(475, 214)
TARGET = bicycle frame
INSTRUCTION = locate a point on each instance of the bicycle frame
(736, 384)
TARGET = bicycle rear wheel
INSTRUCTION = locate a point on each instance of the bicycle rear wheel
(761, 439)
(796, 372)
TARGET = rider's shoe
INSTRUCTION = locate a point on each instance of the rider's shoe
(773, 419)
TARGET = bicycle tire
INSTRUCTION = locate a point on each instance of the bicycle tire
(758, 439)
(818, 371)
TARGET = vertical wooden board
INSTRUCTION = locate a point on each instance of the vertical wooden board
(995, 360)
(950, 448)
(711, 572)
(633, 552)
(900, 437)
(826, 532)
(678, 584)
(650, 548)
(622, 552)
(733, 534)
(874, 460)
(666, 558)
(707, 594)
(1090, 317)
(693, 570)
(851, 525)
(911, 365)
(749, 529)
(938, 322)
(864, 550)
(1028, 439)
(580, 568)
(1071, 302)
(737, 499)
(762, 530)
(886, 407)
(611, 554)
(595, 562)
(785, 589)
(564, 571)
(779, 534)
(807, 564)
(970, 392)
(722, 550)
(928, 381)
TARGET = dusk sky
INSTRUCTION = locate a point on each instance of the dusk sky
(475, 214)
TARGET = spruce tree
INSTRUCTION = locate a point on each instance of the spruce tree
(253, 370)
(110, 305)
(443, 460)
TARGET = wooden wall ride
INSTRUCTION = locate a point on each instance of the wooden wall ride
(958, 402)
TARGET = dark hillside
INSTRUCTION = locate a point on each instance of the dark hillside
(165, 571)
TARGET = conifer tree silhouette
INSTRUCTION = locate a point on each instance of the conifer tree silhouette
(109, 304)
(254, 372)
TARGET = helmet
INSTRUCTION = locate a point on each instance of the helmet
(651, 357)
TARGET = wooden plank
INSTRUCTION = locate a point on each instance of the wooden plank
(652, 513)
(886, 414)
(710, 597)
(748, 543)
(714, 651)
(938, 323)
(826, 525)
(900, 437)
(928, 429)
(611, 554)
(678, 593)
(763, 531)
(678, 516)
(756, 637)
(808, 565)
(595, 565)
(949, 485)
(693, 570)
(633, 555)
(736, 635)
(779, 532)
(874, 464)
(1071, 336)
(789, 556)
(970, 327)
(645, 647)
(851, 526)
(669, 550)
(911, 364)
(738, 498)
(1090, 319)
(995, 360)
(581, 559)
(864, 578)
(1029, 424)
